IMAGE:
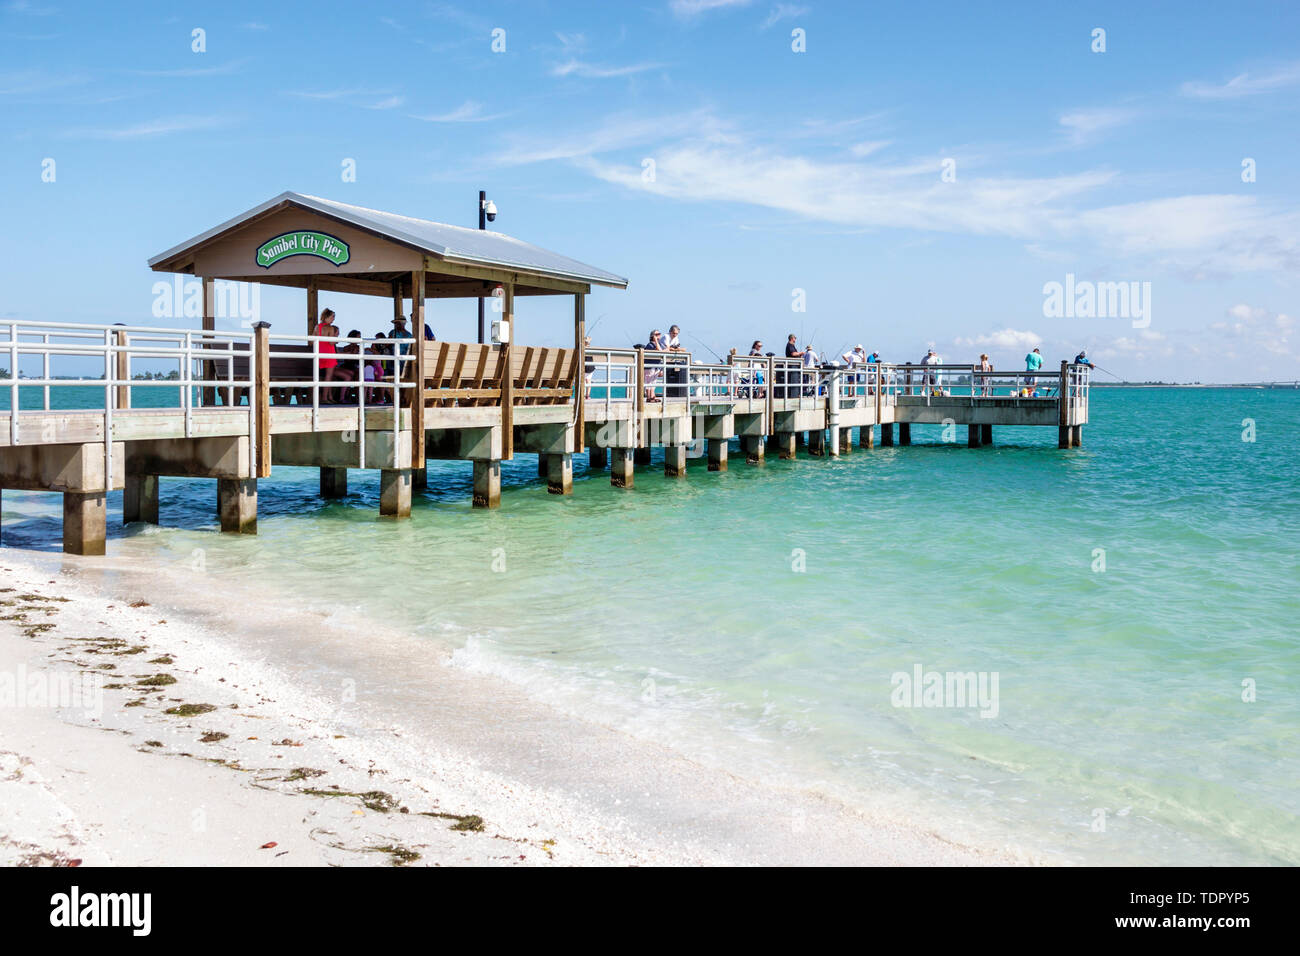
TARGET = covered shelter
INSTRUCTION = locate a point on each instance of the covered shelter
(319, 244)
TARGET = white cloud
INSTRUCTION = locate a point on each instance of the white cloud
(231, 66)
(26, 8)
(699, 158)
(467, 112)
(1084, 125)
(388, 103)
(687, 9)
(783, 11)
(573, 67)
(1003, 339)
(158, 127)
(862, 150)
(1244, 84)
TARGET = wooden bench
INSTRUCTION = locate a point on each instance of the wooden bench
(464, 374)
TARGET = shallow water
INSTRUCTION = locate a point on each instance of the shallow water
(756, 619)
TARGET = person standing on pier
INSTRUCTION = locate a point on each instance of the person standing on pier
(929, 377)
(1033, 362)
(1082, 358)
(654, 367)
(326, 327)
(675, 374)
(985, 366)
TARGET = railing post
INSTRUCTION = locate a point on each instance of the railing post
(260, 397)
(1063, 403)
(123, 373)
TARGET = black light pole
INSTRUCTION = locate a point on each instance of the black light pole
(482, 224)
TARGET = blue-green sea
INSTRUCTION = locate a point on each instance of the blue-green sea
(1138, 600)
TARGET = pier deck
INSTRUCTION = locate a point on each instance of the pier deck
(216, 419)
(88, 409)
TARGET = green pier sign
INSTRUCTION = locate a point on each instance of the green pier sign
(302, 243)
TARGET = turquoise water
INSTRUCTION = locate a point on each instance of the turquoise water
(755, 619)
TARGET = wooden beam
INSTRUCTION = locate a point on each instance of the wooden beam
(441, 267)
(261, 397)
(208, 396)
(313, 305)
(580, 368)
(417, 394)
(122, 370)
(507, 376)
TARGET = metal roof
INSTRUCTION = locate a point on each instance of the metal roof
(453, 243)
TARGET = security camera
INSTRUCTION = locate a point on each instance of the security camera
(490, 210)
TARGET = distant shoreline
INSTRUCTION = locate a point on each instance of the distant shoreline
(1262, 386)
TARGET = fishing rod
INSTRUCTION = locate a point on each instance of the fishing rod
(592, 327)
(721, 360)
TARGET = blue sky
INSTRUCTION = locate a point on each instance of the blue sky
(774, 170)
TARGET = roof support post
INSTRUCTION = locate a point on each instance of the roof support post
(579, 368)
(313, 305)
(208, 396)
(507, 373)
(417, 370)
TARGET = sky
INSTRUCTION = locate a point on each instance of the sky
(903, 176)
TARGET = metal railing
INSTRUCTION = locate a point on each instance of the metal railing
(209, 370)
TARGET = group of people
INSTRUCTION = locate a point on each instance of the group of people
(341, 374)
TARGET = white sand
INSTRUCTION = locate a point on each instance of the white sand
(359, 712)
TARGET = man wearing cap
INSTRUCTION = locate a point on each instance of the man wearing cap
(400, 332)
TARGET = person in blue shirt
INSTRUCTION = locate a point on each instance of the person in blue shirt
(1082, 358)
(1033, 362)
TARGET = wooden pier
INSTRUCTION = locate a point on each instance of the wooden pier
(239, 402)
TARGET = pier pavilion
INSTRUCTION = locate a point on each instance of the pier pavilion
(240, 401)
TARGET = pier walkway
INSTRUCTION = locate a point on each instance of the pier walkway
(88, 409)
(235, 403)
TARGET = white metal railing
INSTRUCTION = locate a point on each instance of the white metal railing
(203, 360)
(385, 359)
(208, 369)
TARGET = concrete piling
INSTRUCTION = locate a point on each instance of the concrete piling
(85, 522)
(140, 499)
(621, 468)
(718, 448)
(333, 482)
(237, 505)
(487, 483)
(559, 474)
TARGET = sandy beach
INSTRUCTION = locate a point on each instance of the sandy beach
(204, 735)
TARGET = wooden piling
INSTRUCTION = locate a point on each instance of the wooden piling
(867, 436)
(905, 433)
(1063, 436)
(260, 398)
(887, 434)
(986, 436)
(620, 467)
(718, 454)
(973, 436)
(140, 499)
(85, 523)
(237, 505)
(487, 483)
(419, 479)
